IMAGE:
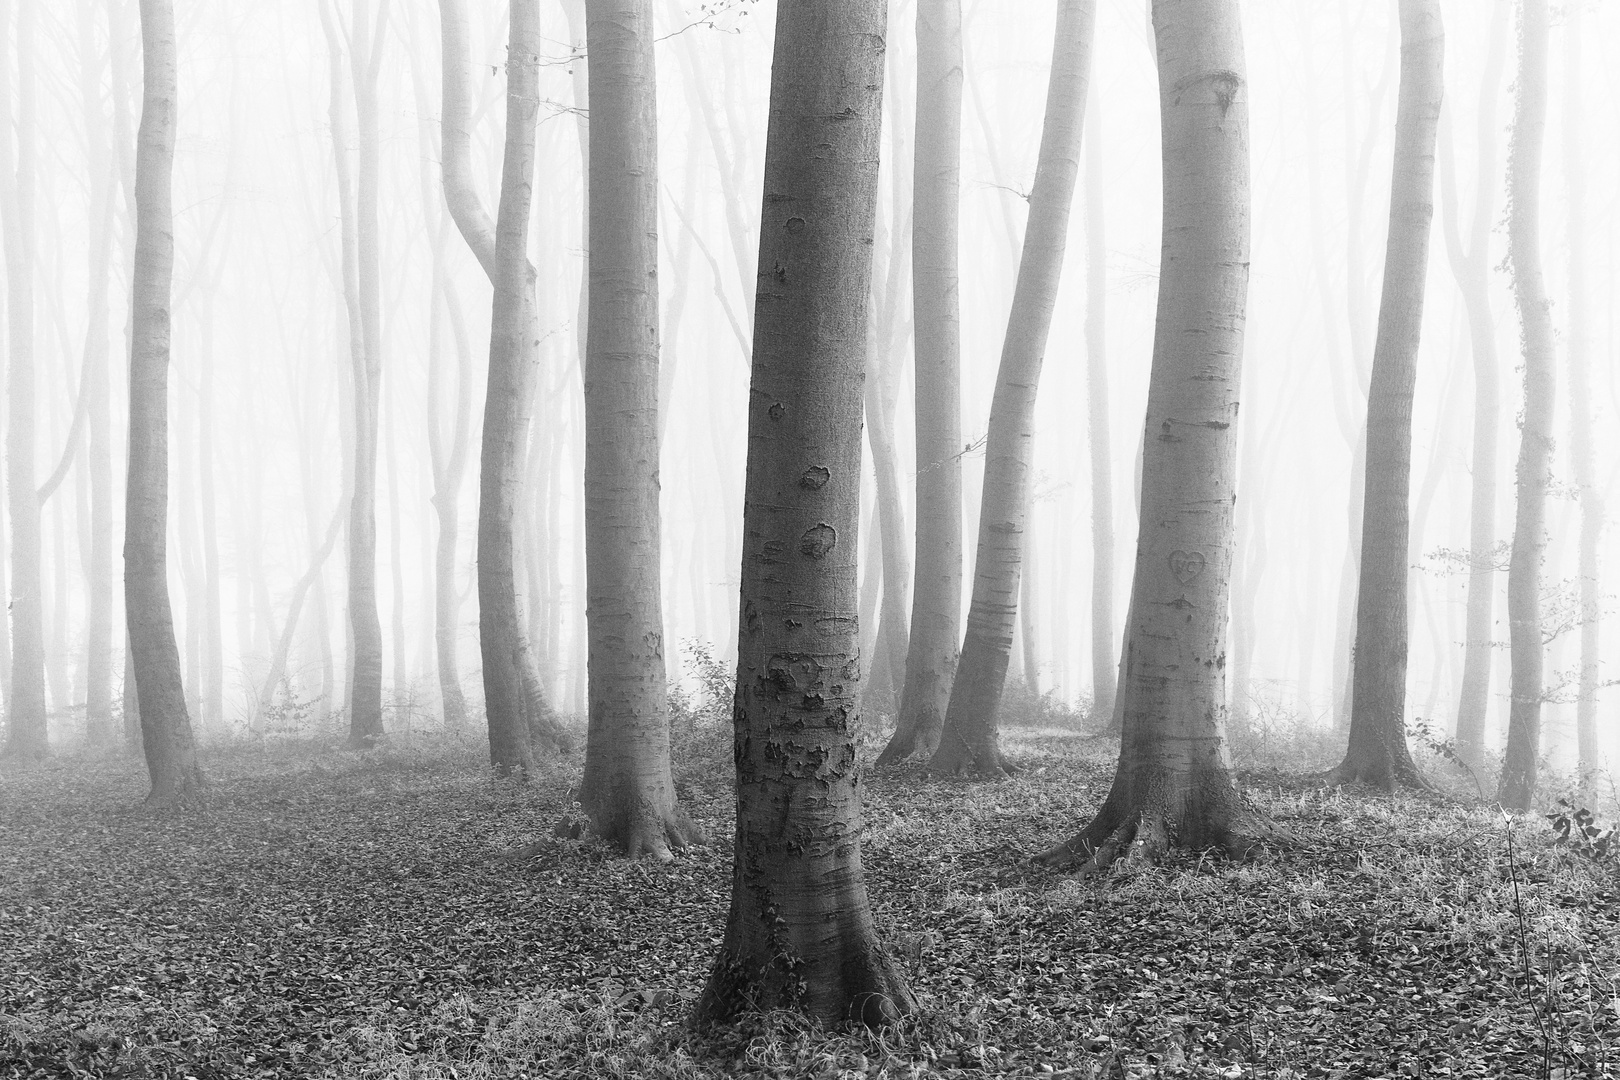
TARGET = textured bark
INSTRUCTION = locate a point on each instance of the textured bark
(1174, 785)
(1377, 752)
(968, 742)
(25, 721)
(1472, 269)
(171, 756)
(1098, 433)
(800, 933)
(627, 790)
(936, 598)
(1533, 471)
(1580, 409)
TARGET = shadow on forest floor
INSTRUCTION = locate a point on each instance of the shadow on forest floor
(354, 915)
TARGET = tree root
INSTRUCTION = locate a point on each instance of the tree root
(909, 741)
(1384, 778)
(1145, 839)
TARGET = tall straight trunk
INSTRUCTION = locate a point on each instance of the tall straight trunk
(396, 568)
(25, 722)
(1029, 643)
(1174, 785)
(936, 598)
(1525, 632)
(1378, 753)
(213, 644)
(627, 789)
(968, 743)
(1472, 269)
(171, 755)
(800, 933)
(1580, 405)
(1098, 431)
(450, 466)
(884, 688)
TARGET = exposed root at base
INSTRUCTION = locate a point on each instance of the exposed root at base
(908, 741)
(1145, 838)
(657, 838)
(1387, 779)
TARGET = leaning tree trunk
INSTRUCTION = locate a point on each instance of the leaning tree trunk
(800, 934)
(1174, 785)
(1525, 633)
(1098, 430)
(627, 790)
(968, 743)
(1378, 753)
(936, 598)
(1580, 408)
(1472, 270)
(171, 755)
(25, 720)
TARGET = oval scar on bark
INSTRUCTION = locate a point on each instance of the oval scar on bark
(817, 540)
(815, 477)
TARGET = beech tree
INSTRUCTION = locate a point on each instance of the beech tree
(800, 932)
(1532, 472)
(1378, 753)
(1098, 430)
(171, 756)
(969, 743)
(1174, 784)
(627, 789)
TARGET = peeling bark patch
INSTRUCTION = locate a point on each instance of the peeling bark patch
(776, 412)
(794, 225)
(815, 477)
(818, 540)
(1187, 565)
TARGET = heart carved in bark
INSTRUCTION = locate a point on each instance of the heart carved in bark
(1187, 565)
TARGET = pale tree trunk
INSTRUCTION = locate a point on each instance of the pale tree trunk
(968, 742)
(171, 756)
(1174, 785)
(25, 722)
(800, 933)
(1472, 270)
(1580, 405)
(627, 789)
(1377, 752)
(1525, 632)
(936, 598)
(1098, 433)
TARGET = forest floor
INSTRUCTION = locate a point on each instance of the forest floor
(331, 913)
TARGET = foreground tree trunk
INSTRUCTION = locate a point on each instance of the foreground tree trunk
(800, 933)
(969, 742)
(1174, 785)
(1519, 764)
(171, 755)
(936, 598)
(1378, 753)
(627, 790)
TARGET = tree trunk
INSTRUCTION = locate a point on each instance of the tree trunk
(1377, 753)
(936, 599)
(26, 736)
(1472, 270)
(1099, 434)
(171, 756)
(968, 743)
(800, 934)
(627, 789)
(449, 470)
(1580, 407)
(1525, 632)
(1174, 785)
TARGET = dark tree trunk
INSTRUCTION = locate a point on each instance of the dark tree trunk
(800, 934)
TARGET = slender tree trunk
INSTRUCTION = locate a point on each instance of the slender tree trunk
(1377, 753)
(800, 934)
(1472, 270)
(447, 481)
(627, 789)
(936, 599)
(884, 690)
(1174, 785)
(1525, 631)
(1099, 433)
(171, 756)
(969, 743)
(26, 736)
(1580, 407)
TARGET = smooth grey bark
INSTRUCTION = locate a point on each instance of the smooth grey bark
(1533, 471)
(800, 933)
(968, 742)
(627, 790)
(936, 597)
(1174, 785)
(1099, 434)
(171, 755)
(1377, 752)
(1471, 267)
(26, 735)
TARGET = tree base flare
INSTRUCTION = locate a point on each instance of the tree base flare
(1147, 836)
(1380, 773)
(867, 989)
(648, 834)
(958, 758)
(908, 741)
